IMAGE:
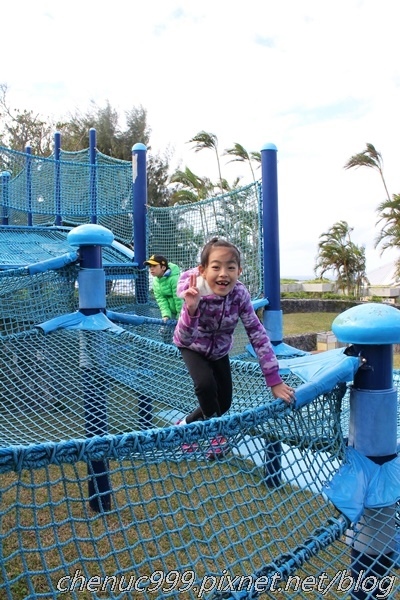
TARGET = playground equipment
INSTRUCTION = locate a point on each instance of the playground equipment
(372, 469)
(98, 500)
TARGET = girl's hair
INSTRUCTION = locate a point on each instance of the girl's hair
(218, 243)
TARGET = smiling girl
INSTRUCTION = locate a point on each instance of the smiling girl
(215, 300)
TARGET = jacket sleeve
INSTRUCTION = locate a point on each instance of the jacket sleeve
(161, 300)
(186, 329)
(177, 302)
(260, 341)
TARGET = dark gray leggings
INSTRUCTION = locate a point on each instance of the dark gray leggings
(212, 381)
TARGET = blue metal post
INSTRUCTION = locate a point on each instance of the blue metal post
(28, 151)
(139, 189)
(92, 300)
(93, 175)
(5, 196)
(139, 192)
(272, 318)
(57, 178)
(270, 225)
(372, 329)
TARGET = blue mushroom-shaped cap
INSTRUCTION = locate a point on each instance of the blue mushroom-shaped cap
(369, 324)
(90, 235)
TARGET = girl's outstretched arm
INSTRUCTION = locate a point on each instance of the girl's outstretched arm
(284, 392)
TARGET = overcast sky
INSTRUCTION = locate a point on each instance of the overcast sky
(318, 79)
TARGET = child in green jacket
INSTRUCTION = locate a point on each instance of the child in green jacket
(165, 280)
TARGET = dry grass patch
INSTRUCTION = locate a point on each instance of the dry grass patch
(166, 515)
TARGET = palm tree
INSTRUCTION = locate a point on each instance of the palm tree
(193, 188)
(389, 209)
(371, 158)
(240, 154)
(358, 268)
(389, 237)
(227, 187)
(339, 254)
(203, 139)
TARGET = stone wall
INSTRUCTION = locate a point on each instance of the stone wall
(306, 341)
(293, 305)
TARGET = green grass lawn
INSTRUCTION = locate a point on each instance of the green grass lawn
(298, 323)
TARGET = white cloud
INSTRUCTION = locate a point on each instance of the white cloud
(318, 79)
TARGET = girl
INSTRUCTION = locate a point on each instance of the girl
(214, 300)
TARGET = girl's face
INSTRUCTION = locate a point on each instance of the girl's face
(222, 271)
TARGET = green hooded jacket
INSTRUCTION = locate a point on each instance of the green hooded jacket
(164, 289)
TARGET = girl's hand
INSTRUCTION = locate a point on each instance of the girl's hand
(284, 392)
(192, 295)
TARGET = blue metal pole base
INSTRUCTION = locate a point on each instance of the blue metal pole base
(371, 575)
(99, 486)
(142, 287)
(273, 464)
(145, 411)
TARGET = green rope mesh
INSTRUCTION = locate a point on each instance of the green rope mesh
(99, 496)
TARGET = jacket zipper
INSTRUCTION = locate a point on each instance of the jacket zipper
(219, 326)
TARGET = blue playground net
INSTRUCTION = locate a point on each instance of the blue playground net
(100, 497)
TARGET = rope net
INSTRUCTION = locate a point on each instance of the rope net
(102, 495)
(79, 407)
(181, 231)
(36, 190)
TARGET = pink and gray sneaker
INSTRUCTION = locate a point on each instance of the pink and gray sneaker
(188, 448)
(219, 447)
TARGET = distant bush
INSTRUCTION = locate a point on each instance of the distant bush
(299, 295)
(319, 280)
(318, 296)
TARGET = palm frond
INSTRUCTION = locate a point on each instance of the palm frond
(360, 160)
(203, 139)
(239, 153)
(256, 156)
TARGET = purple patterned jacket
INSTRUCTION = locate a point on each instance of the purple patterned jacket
(210, 330)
